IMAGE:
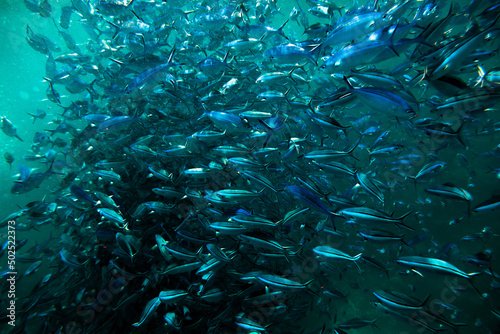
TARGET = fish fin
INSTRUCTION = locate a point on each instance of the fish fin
(417, 272)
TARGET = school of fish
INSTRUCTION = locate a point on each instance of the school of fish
(232, 167)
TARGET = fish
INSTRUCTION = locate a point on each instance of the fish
(357, 322)
(433, 264)
(9, 158)
(112, 216)
(8, 128)
(218, 253)
(193, 160)
(381, 236)
(149, 77)
(38, 114)
(353, 27)
(237, 195)
(149, 312)
(331, 253)
(71, 260)
(365, 214)
(290, 54)
(454, 56)
(311, 201)
(441, 130)
(128, 244)
(325, 155)
(370, 186)
(249, 324)
(81, 194)
(489, 205)
(383, 101)
(429, 169)
(448, 190)
(280, 282)
(397, 300)
(383, 151)
(32, 268)
(172, 296)
(356, 55)
(335, 167)
(31, 181)
(491, 77)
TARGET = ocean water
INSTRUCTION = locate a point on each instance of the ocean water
(435, 222)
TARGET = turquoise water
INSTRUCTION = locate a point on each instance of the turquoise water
(23, 90)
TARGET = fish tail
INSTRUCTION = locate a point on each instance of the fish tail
(205, 113)
(357, 257)
(117, 28)
(470, 277)
(481, 77)
(459, 135)
(404, 242)
(414, 178)
(315, 53)
(405, 215)
(347, 83)
(405, 226)
(51, 170)
(391, 42)
(286, 256)
(291, 78)
(280, 29)
(349, 152)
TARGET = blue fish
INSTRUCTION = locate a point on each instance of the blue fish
(311, 201)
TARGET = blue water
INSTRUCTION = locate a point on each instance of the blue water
(23, 90)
